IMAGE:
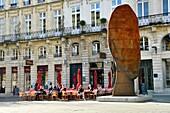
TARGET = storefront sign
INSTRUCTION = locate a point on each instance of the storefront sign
(102, 55)
(29, 62)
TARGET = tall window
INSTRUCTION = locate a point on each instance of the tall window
(27, 23)
(1, 26)
(58, 51)
(57, 20)
(1, 4)
(142, 8)
(42, 52)
(144, 44)
(95, 14)
(75, 51)
(96, 47)
(166, 5)
(75, 17)
(14, 54)
(115, 3)
(2, 55)
(27, 53)
(42, 22)
(166, 43)
(13, 24)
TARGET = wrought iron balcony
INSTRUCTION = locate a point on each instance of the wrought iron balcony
(75, 53)
(42, 56)
(57, 55)
(1, 7)
(2, 59)
(14, 58)
(13, 5)
(53, 33)
(27, 2)
(40, 1)
(163, 18)
(26, 57)
(95, 52)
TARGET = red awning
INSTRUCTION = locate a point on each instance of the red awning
(74, 79)
(59, 78)
(109, 80)
(39, 79)
(79, 78)
(95, 79)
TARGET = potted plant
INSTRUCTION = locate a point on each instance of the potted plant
(82, 23)
(103, 21)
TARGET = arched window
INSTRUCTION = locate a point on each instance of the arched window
(144, 44)
(95, 47)
(75, 49)
(2, 55)
(42, 53)
(166, 43)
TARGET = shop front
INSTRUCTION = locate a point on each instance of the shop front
(96, 74)
(14, 77)
(43, 74)
(58, 74)
(27, 76)
(2, 79)
(74, 74)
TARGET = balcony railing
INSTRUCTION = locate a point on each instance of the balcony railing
(41, 1)
(95, 52)
(27, 2)
(57, 55)
(75, 53)
(1, 7)
(26, 57)
(66, 31)
(163, 18)
(42, 56)
(14, 58)
(13, 5)
(2, 59)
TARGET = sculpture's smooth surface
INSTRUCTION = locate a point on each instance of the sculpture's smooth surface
(124, 44)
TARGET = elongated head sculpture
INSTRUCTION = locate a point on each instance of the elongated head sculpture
(124, 44)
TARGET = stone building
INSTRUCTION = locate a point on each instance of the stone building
(46, 36)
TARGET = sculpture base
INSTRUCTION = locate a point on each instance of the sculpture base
(140, 98)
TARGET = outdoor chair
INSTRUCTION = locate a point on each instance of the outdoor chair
(55, 95)
(64, 95)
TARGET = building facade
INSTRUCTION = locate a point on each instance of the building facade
(46, 36)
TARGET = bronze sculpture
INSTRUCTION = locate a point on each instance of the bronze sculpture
(124, 44)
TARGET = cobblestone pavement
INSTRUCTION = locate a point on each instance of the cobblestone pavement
(14, 106)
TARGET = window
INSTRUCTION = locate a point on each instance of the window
(27, 2)
(95, 14)
(42, 22)
(58, 51)
(1, 4)
(142, 8)
(75, 51)
(144, 45)
(166, 43)
(75, 17)
(166, 4)
(27, 23)
(27, 53)
(57, 20)
(42, 52)
(2, 26)
(2, 55)
(14, 54)
(13, 25)
(115, 3)
(96, 47)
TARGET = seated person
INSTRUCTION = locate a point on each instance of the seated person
(50, 90)
(40, 91)
(81, 91)
(100, 90)
(55, 88)
(90, 88)
(16, 91)
(73, 87)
